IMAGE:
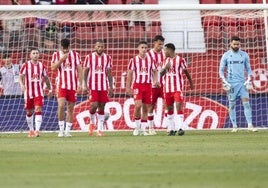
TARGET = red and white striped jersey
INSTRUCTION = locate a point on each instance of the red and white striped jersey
(67, 72)
(97, 76)
(159, 58)
(34, 73)
(174, 76)
(142, 69)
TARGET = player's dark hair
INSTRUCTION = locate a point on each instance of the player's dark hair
(158, 37)
(33, 48)
(142, 42)
(65, 43)
(99, 40)
(170, 46)
(235, 38)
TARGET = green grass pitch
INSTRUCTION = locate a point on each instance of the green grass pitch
(203, 159)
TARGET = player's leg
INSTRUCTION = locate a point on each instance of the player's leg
(137, 116)
(38, 104)
(247, 108)
(69, 118)
(29, 107)
(93, 98)
(146, 92)
(100, 116)
(137, 96)
(155, 95)
(71, 99)
(169, 100)
(61, 114)
(178, 97)
(232, 95)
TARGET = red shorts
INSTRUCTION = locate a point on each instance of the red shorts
(98, 96)
(172, 97)
(156, 93)
(69, 95)
(143, 92)
(31, 103)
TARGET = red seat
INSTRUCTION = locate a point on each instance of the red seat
(115, 2)
(150, 1)
(208, 1)
(227, 1)
(211, 20)
(25, 2)
(6, 2)
(245, 1)
(29, 22)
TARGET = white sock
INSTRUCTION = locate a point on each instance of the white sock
(100, 122)
(38, 122)
(179, 121)
(92, 118)
(143, 126)
(138, 124)
(68, 127)
(30, 122)
(61, 126)
(170, 120)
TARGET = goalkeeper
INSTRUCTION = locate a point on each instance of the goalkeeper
(236, 63)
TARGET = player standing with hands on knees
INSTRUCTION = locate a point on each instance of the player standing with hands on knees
(173, 69)
(68, 64)
(236, 62)
(32, 74)
(99, 80)
(145, 73)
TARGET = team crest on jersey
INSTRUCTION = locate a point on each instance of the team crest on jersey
(35, 78)
(67, 66)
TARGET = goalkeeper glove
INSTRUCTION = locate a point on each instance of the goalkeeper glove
(248, 83)
(225, 85)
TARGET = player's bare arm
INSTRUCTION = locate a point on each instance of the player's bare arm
(22, 82)
(80, 77)
(48, 83)
(189, 78)
(56, 65)
(128, 82)
(110, 79)
(85, 75)
(155, 78)
(165, 69)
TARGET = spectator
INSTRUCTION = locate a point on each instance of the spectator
(139, 18)
(12, 32)
(51, 33)
(9, 77)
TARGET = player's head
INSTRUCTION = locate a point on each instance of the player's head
(65, 44)
(6, 59)
(142, 47)
(99, 46)
(158, 41)
(34, 54)
(235, 43)
(169, 49)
